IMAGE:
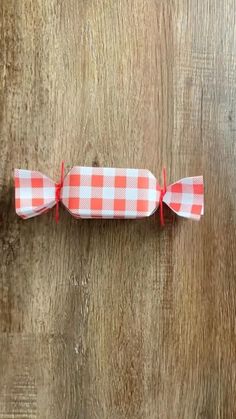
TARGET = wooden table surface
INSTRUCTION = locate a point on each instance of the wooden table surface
(119, 319)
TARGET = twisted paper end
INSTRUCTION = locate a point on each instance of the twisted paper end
(186, 197)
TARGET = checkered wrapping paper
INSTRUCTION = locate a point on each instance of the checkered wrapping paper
(34, 193)
(90, 192)
(94, 192)
(186, 197)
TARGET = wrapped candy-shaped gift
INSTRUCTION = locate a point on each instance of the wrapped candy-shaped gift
(96, 192)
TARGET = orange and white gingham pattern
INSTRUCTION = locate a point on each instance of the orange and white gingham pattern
(186, 197)
(94, 192)
(34, 193)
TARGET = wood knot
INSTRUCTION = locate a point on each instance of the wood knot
(95, 162)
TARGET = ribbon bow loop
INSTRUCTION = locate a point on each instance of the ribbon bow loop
(186, 197)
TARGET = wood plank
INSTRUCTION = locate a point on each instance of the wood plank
(118, 319)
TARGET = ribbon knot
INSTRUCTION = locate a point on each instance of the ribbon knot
(163, 192)
(58, 192)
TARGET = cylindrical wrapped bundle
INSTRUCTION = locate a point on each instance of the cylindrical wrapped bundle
(95, 192)
(89, 192)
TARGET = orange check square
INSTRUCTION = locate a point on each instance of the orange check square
(175, 207)
(37, 183)
(73, 203)
(17, 182)
(196, 209)
(96, 203)
(142, 205)
(97, 180)
(17, 203)
(177, 188)
(143, 182)
(74, 180)
(198, 189)
(120, 182)
(119, 204)
(37, 202)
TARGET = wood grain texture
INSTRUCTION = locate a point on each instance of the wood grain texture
(118, 319)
